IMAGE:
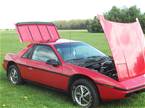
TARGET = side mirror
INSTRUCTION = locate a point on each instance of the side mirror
(52, 62)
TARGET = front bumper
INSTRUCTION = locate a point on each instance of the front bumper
(129, 87)
(111, 93)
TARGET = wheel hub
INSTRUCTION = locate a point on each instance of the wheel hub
(82, 95)
(13, 76)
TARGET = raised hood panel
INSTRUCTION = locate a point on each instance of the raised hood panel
(37, 32)
(127, 44)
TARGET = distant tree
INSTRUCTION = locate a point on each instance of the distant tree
(142, 21)
(114, 14)
(94, 25)
(71, 24)
(124, 15)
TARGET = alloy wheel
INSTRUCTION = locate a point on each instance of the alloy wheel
(13, 76)
(82, 95)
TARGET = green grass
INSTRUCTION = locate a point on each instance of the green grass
(32, 96)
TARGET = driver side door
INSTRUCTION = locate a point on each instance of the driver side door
(42, 72)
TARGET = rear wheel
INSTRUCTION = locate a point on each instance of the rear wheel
(84, 93)
(14, 75)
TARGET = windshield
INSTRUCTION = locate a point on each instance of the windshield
(77, 51)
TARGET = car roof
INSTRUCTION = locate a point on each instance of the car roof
(64, 41)
(59, 41)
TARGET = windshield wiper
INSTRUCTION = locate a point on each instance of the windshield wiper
(74, 59)
(95, 58)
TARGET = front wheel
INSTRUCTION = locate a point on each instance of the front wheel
(14, 75)
(84, 93)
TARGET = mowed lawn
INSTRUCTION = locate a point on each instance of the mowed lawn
(32, 96)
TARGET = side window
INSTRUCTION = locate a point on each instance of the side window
(43, 53)
(28, 53)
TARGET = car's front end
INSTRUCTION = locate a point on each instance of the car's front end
(92, 63)
(129, 87)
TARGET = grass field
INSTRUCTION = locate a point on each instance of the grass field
(32, 96)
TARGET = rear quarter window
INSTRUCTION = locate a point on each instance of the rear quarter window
(28, 53)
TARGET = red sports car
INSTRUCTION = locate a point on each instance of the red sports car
(75, 67)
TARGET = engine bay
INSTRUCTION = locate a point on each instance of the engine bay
(103, 65)
(106, 67)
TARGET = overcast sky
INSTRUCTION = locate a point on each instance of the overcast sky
(12, 11)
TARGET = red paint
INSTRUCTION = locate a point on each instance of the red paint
(37, 32)
(108, 93)
(108, 88)
(127, 44)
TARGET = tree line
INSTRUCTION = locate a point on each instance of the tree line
(71, 24)
(124, 15)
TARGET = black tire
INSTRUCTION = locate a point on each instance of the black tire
(93, 92)
(18, 80)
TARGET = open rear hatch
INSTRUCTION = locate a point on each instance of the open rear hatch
(37, 32)
(127, 44)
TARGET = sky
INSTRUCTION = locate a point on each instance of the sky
(13, 11)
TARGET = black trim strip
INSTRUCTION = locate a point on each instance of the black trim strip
(46, 86)
(49, 32)
(33, 23)
(44, 70)
(39, 31)
(30, 33)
